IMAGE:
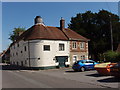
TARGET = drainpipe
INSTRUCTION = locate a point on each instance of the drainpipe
(29, 54)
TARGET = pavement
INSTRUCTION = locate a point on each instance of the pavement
(56, 78)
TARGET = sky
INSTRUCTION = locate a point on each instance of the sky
(22, 14)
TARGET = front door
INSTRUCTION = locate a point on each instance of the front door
(61, 60)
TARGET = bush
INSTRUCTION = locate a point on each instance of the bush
(112, 56)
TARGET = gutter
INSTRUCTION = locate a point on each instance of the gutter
(29, 54)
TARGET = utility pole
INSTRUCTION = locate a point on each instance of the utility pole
(111, 33)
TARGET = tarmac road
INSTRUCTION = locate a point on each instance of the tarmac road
(56, 78)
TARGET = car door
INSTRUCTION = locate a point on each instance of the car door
(89, 64)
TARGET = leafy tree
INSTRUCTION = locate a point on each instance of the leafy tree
(112, 56)
(96, 27)
(15, 33)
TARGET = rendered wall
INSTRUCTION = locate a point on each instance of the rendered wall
(35, 56)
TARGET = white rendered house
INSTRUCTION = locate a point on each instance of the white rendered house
(43, 46)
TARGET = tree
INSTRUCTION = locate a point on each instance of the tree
(112, 56)
(96, 27)
(15, 33)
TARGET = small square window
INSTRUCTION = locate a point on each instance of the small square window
(46, 47)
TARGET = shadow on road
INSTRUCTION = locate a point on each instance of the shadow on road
(71, 71)
(13, 67)
(109, 80)
(95, 75)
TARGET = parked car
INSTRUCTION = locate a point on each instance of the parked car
(104, 68)
(115, 70)
(83, 65)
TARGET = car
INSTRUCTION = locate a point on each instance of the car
(83, 65)
(104, 68)
(115, 70)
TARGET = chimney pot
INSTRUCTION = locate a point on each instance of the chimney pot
(38, 20)
(62, 23)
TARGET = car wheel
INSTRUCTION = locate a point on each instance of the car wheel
(82, 69)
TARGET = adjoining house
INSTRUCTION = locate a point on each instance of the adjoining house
(2, 55)
(45, 47)
(5, 56)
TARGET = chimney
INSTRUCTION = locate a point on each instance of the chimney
(62, 23)
(38, 20)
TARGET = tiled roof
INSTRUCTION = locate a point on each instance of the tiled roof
(40, 31)
(72, 35)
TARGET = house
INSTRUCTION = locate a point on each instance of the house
(5, 56)
(45, 47)
(1, 56)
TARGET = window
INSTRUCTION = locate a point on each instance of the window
(18, 45)
(74, 44)
(25, 48)
(21, 51)
(25, 61)
(91, 61)
(14, 46)
(46, 48)
(61, 47)
(21, 63)
(17, 63)
(83, 57)
(16, 53)
(82, 45)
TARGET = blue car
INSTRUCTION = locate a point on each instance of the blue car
(83, 65)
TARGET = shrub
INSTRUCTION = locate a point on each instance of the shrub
(112, 56)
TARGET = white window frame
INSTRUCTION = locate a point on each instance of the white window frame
(82, 45)
(61, 47)
(74, 44)
(46, 49)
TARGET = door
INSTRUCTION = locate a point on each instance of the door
(74, 58)
(89, 64)
(61, 60)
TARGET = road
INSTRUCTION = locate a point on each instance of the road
(56, 78)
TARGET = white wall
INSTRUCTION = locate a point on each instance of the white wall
(36, 51)
(46, 57)
(21, 56)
